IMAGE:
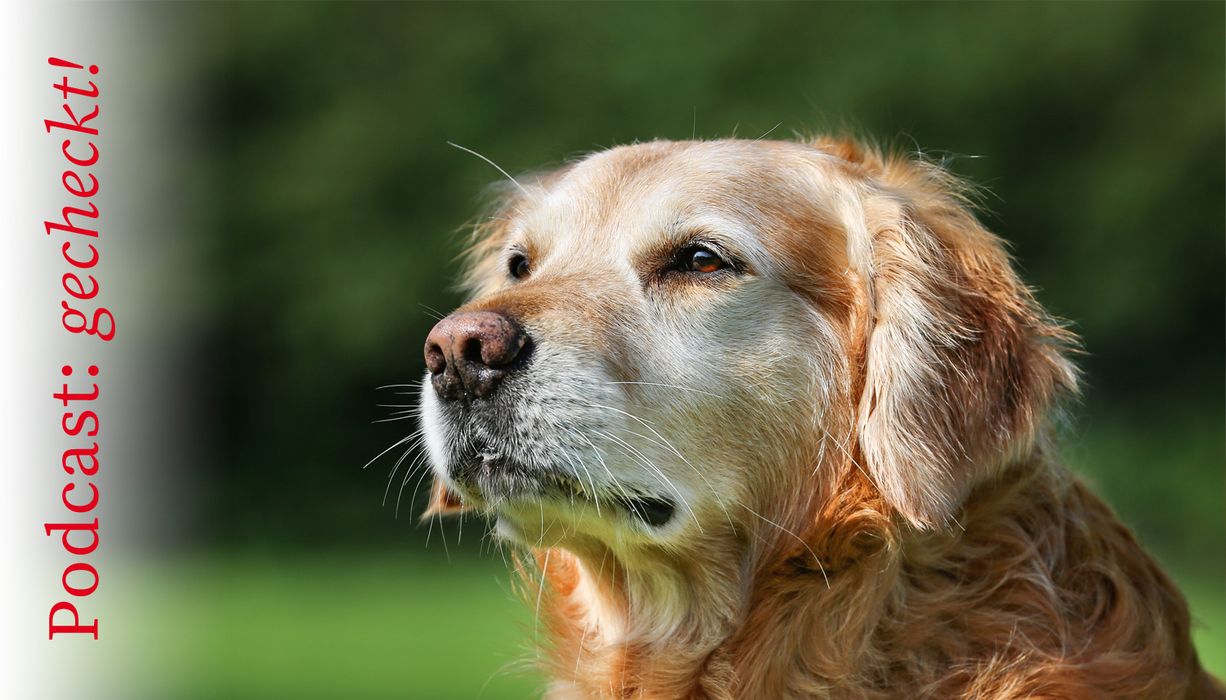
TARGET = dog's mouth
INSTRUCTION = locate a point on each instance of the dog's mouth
(655, 512)
(497, 480)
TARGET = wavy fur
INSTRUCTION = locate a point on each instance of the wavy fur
(919, 539)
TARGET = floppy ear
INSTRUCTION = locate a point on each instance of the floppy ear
(961, 364)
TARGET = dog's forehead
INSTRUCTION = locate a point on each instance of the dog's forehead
(628, 196)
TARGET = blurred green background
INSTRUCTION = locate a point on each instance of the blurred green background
(329, 238)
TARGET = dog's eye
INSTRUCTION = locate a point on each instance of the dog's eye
(700, 259)
(518, 266)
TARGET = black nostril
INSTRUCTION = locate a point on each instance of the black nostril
(436, 361)
(470, 351)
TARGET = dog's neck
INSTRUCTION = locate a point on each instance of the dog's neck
(856, 604)
(661, 625)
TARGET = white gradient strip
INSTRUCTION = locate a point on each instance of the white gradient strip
(144, 280)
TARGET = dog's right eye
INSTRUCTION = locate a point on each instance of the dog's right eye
(700, 259)
(518, 266)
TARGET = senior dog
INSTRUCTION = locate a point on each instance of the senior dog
(772, 420)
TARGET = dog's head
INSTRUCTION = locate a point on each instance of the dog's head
(669, 339)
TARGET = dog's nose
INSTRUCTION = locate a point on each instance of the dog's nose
(469, 353)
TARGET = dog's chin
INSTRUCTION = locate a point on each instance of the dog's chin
(528, 501)
(554, 522)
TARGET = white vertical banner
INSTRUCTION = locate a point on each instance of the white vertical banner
(88, 278)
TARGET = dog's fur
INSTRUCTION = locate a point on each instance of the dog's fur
(854, 419)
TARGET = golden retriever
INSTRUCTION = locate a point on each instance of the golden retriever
(771, 420)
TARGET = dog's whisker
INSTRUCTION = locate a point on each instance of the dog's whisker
(442, 536)
(676, 452)
(671, 386)
(393, 446)
(391, 475)
(600, 458)
(842, 446)
(719, 500)
(416, 384)
(540, 591)
(645, 461)
(411, 412)
(769, 131)
(418, 462)
(429, 531)
(393, 419)
(591, 481)
(436, 315)
(497, 167)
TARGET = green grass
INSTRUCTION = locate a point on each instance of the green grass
(380, 626)
(370, 627)
(1208, 604)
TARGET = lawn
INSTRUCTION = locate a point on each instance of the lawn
(366, 627)
(386, 626)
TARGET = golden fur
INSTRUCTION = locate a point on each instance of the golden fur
(914, 534)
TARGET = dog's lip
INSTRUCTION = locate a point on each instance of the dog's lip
(652, 511)
(655, 512)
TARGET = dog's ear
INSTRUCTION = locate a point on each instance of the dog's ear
(443, 501)
(961, 365)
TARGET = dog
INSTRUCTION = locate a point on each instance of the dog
(774, 420)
